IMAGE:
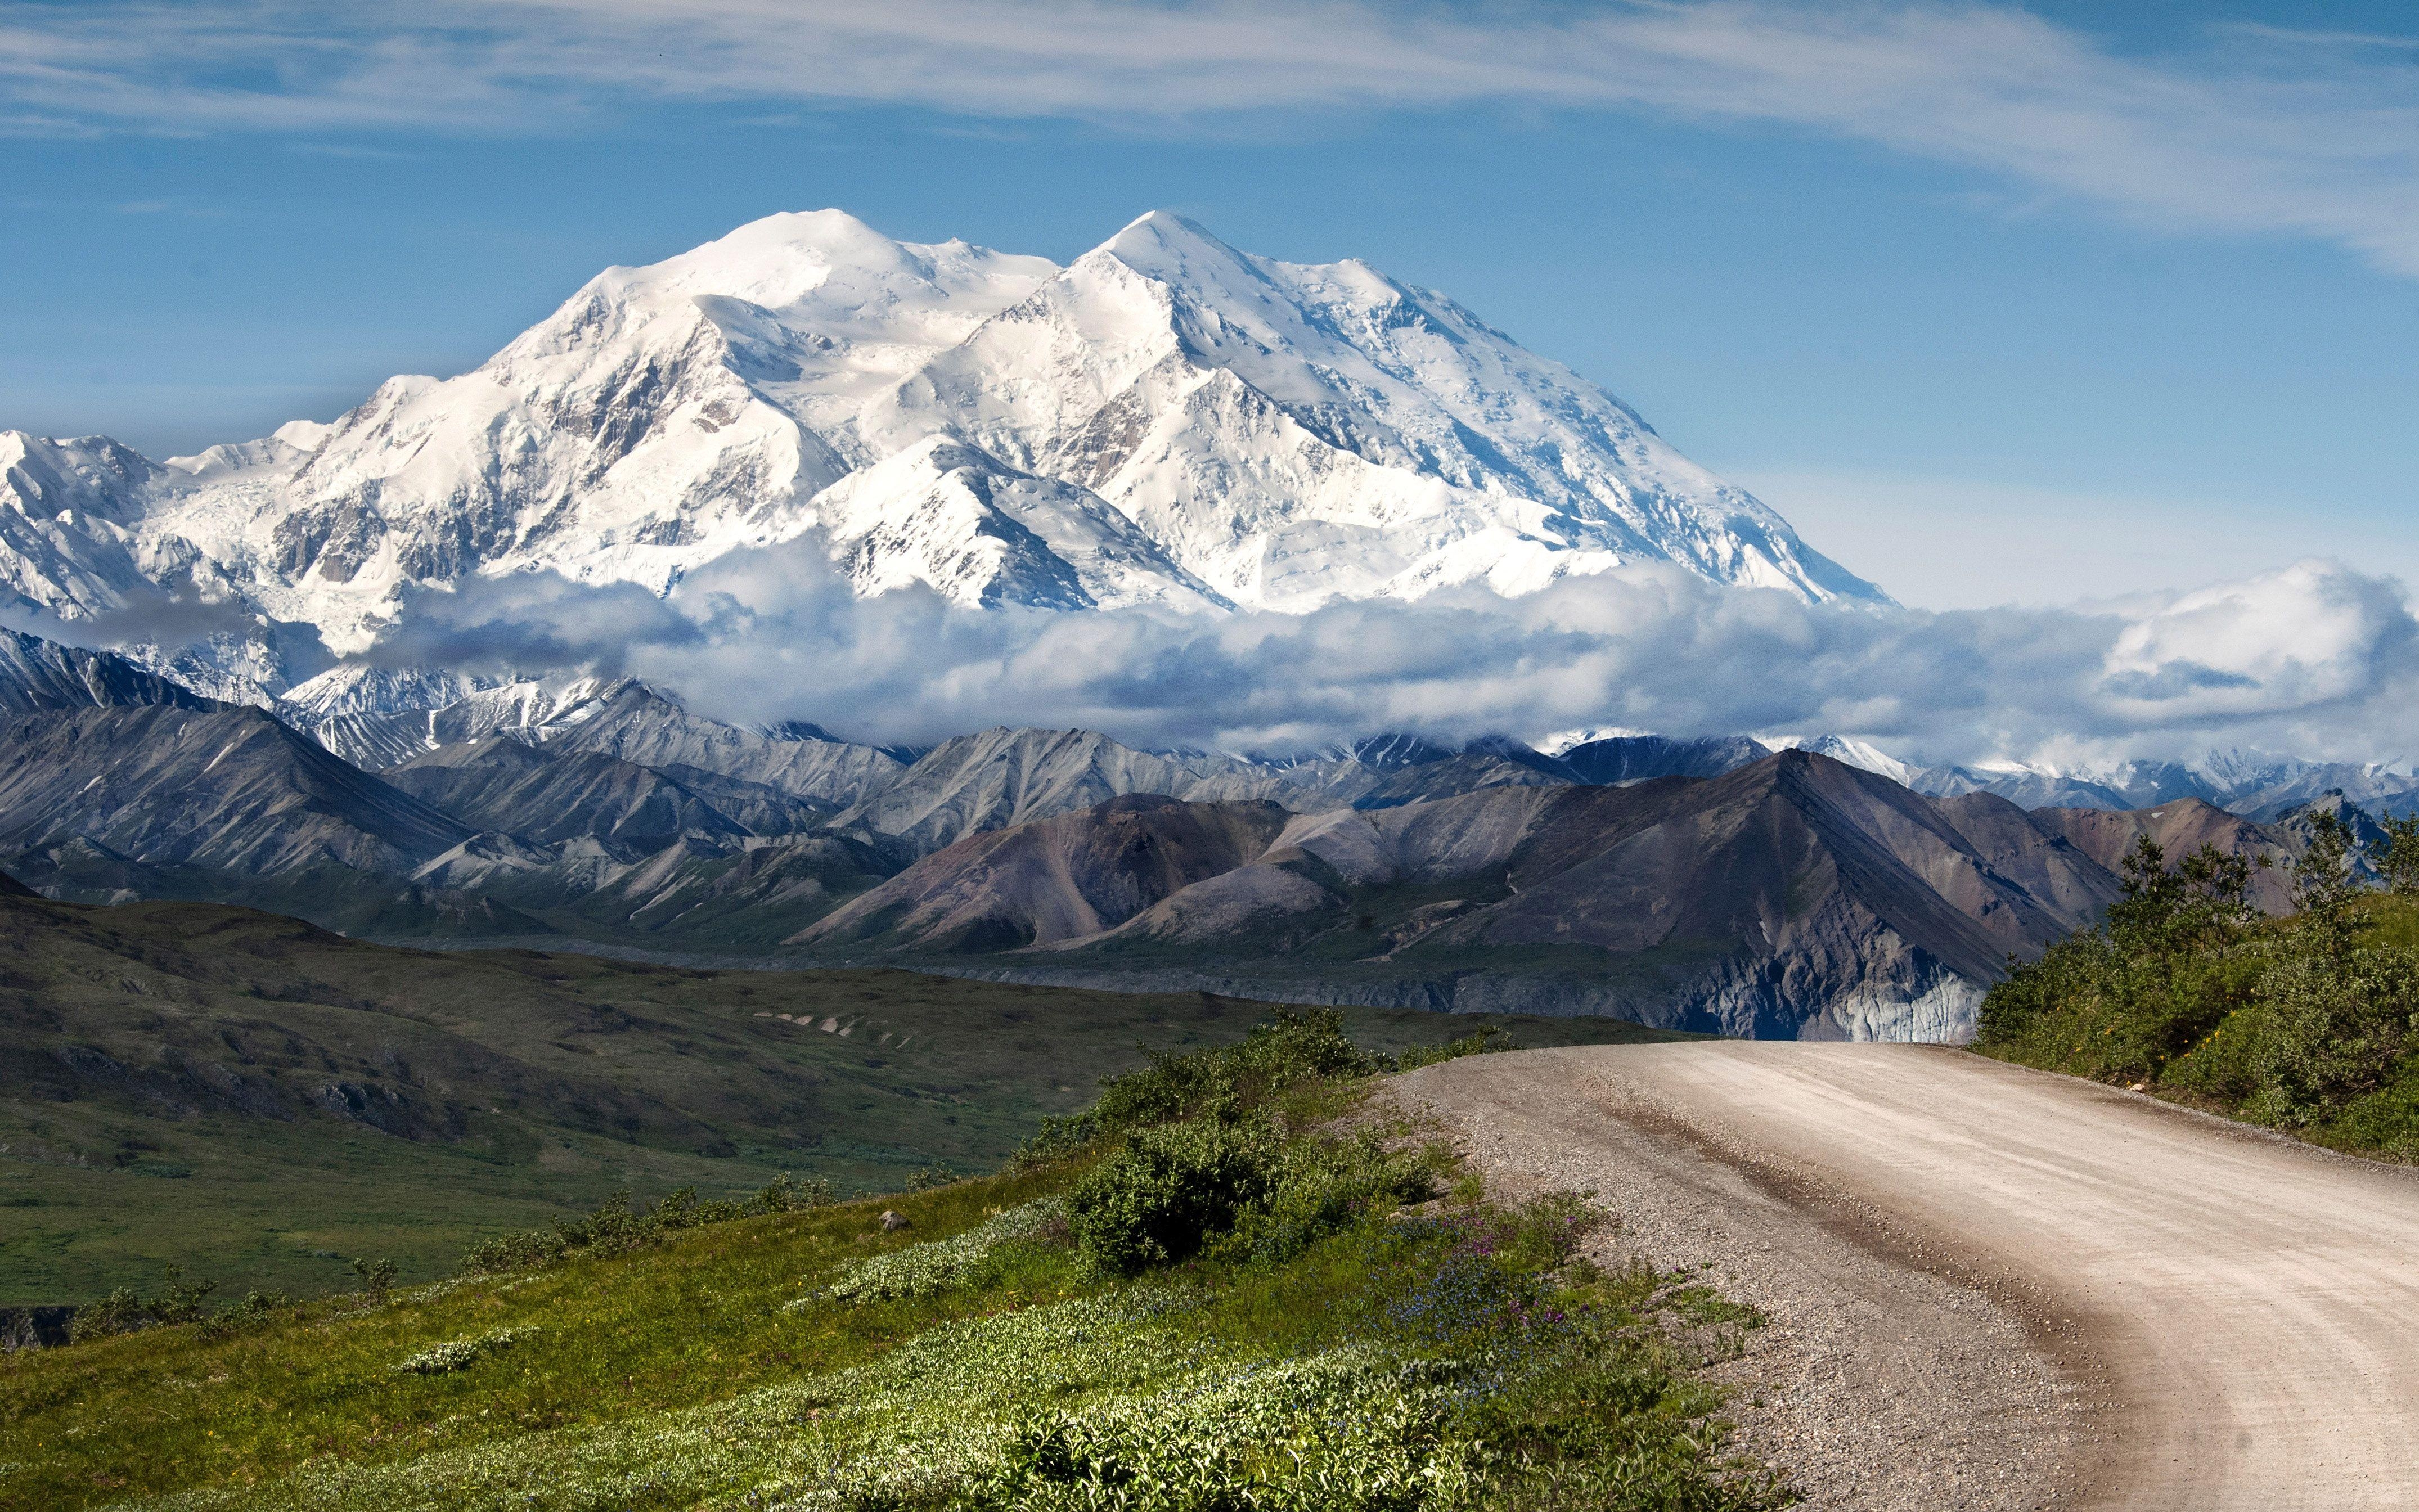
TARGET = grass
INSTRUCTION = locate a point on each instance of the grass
(165, 1068)
(1451, 1354)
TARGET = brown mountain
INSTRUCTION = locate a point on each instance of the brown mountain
(2179, 829)
(1793, 897)
(1054, 879)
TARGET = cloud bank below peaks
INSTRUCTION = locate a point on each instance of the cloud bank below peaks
(2315, 659)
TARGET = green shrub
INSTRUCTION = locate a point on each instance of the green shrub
(1297, 1047)
(256, 1307)
(2224, 1066)
(126, 1311)
(1235, 1191)
(2125, 1001)
(2336, 1026)
(2289, 1022)
(1060, 1137)
(615, 1226)
(1485, 1039)
(2395, 852)
(2385, 1120)
(1168, 1191)
(1321, 1186)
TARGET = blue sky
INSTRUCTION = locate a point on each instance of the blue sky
(1995, 304)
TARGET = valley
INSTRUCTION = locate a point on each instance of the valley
(260, 1101)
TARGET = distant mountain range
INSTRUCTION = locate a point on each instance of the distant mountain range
(2250, 783)
(1711, 884)
(376, 718)
(1166, 420)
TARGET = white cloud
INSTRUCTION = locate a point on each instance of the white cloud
(2250, 129)
(2313, 636)
(2315, 659)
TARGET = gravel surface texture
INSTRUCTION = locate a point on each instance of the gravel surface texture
(1884, 1378)
(1993, 1287)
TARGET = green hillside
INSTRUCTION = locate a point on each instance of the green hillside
(263, 1101)
(1232, 1285)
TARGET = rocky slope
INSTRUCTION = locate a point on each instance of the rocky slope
(1793, 897)
(384, 720)
(637, 723)
(36, 673)
(1054, 879)
(541, 797)
(228, 789)
(1000, 778)
(2179, 829)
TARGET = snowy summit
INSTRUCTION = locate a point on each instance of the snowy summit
(1166, 420)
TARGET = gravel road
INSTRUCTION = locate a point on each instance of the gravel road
(1991, 1288)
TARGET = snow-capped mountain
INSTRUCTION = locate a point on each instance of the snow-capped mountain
(1856, 753)
(1295, 434)
(1166, 420)
(2268, 787)
(2253, 784)
(378, 717)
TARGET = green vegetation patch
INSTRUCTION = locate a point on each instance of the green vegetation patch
(2308, 1024)
(1226, 1285)
(964, 1259)
(460, 1355)
(260, 1101)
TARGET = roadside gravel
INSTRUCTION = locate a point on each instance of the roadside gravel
(1886, 1378)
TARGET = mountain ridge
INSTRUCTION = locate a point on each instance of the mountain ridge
(1796, 896)
(1711, 881)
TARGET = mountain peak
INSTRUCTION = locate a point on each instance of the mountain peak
(1208, 276)
(1171, 420)
(816, 239)
(1164, 228)
(826, 265)
(1179, 251)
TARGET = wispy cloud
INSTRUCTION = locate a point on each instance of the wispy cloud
(2243, 128)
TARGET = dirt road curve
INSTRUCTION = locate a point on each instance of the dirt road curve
(2235, 1319)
